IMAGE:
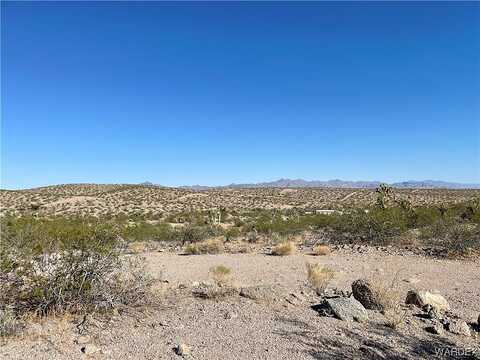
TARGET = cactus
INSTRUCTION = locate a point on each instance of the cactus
(384, 192)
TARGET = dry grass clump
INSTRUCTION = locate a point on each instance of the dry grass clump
(222, 286)
(285, 248)
(212, 246)
(389, 296)
(9, 324)
(320, 250)
(319, 277)
(395, 316)
(221, 274)
(138, 247)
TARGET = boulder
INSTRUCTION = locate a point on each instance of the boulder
(363, 291)
(258, 292)
(343, 308)
(421, 298)
(459, 327)
(432, 312)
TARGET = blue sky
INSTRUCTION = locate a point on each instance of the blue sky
(214, 93)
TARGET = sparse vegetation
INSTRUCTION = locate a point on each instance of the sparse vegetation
(395, 316)
(320, 250)
(285, 248)
(221, 274)
(60, 265)
(9, 323)
(211, 246)
(389, 297)
(319, 277)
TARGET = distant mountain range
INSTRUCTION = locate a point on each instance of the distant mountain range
(300, 183)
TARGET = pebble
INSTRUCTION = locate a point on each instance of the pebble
(231, 315)
(182, 350)
(89, 349)
(82, 340)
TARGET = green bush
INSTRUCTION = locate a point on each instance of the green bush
(195, 233)
(378, 226)
(31, 236)
(145, 231)
(62, 265)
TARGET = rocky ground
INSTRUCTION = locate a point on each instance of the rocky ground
(269, 312)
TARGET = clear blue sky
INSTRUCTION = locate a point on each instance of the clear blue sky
(214, 93)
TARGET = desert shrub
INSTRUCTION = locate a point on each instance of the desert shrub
(279, 238)
(395, 316)
(463, 240)
(211, 246)
(62, 265)
(426, 215)
(194, 218)
(284, 248)
(9, 324)
(378, 226)
(460, 239)
(389, 297)
(145, 231)
(232, 233)
(73, 281)
(192, 234)
(319, 277)
(221, 274)
(387, 293)
(436, 230)
(321, 250)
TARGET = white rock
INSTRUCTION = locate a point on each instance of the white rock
(421, 298)
(459, 327)
(89, 349)
(85, 339)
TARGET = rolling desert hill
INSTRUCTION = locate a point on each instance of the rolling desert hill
(155, 201)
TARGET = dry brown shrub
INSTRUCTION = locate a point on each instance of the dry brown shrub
(321, 250)
(285, 248)
(211, 246)
(9, 323)
(319, 277)
(389, 296)
(221, 274)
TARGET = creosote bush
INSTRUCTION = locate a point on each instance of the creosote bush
(60, 265)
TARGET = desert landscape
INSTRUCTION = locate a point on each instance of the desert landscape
(239, 273)
(216, 180)
(156, 201)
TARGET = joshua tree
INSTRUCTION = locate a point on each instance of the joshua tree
(384, 192)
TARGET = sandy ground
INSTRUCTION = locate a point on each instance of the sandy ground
(281, 326)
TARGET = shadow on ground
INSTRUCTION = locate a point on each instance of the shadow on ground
(373, 341)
